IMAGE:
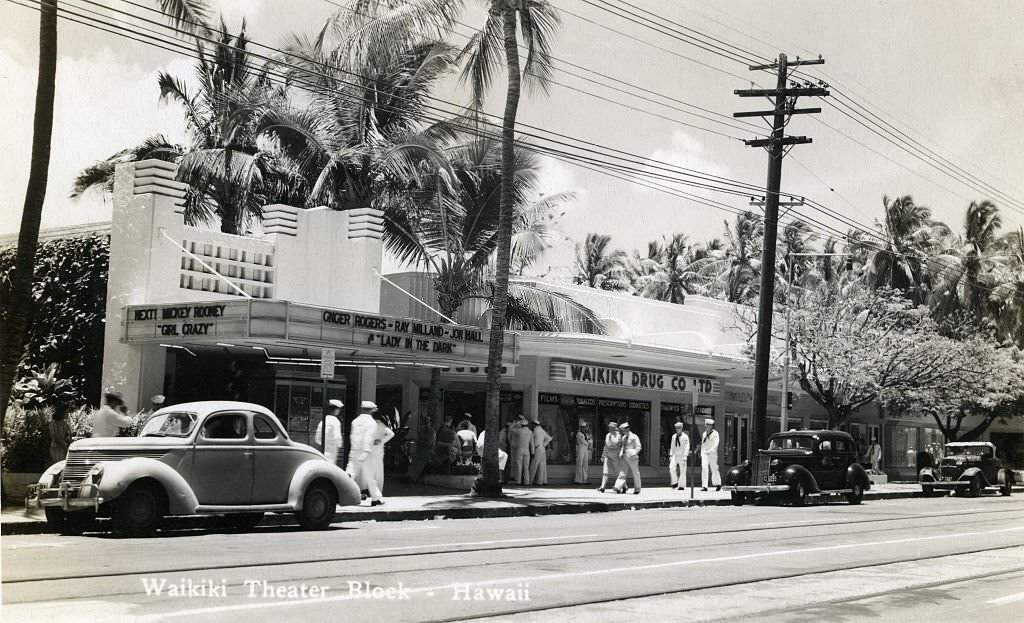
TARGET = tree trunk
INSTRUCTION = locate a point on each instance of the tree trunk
(489, 482)
(19, 300)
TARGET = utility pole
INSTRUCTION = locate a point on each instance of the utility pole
(785, 106)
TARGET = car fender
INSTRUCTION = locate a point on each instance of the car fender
(855, 473)
(119, 475)
(927, 474)
(971, 472)
(46, 478)
(348, 490)
(738, 475)
(794, 472)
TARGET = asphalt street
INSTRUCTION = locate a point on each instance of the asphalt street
(944, 559)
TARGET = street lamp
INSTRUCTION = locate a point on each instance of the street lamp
(784, 403)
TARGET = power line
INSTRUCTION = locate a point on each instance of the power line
(861, 109)
(178, 47)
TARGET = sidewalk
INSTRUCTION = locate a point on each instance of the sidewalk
(417, 502)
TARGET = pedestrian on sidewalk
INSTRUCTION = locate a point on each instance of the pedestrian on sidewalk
(60, 434)
(521, 440)
(329, 430)
(584, 448)
(539, 457)
(611, 464)
(678, 451)
(709, 457)
(382, 434)
(630, 459)
(360, 467)
(109, 419)
(467, 442)
(502, 455)
(468, 419)
(875, 456)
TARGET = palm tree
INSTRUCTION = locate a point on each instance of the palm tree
(359, 141)
(909, 235)
(597, 266)
(964, 271)
(452, 231)
(736, 267)
(507, 20)
(672, 270)
(229, 176)
(1007, 298)
(189, 15)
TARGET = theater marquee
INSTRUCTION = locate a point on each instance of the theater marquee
(308, 325)
(649, 380)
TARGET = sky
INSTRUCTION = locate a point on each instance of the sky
(948, 73)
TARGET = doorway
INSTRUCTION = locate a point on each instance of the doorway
(736, 442)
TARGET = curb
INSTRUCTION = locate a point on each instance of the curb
(534, 510)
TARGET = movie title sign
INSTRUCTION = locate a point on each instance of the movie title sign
(365, 334)
(644, 380)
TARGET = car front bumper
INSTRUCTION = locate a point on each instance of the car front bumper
(947, 484)
(756, 488)
(67, 497)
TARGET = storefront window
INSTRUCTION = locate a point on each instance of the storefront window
(902, 448)
(560, 414)
(818, 425)
(933, 441)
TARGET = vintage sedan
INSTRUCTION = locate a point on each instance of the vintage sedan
(797, 464)
(201, 458)
(967, 467)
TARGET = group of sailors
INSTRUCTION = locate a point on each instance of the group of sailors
(367, 437)
(621, 457)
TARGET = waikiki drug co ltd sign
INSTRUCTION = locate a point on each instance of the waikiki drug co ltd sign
(632, 378)
(257, 321)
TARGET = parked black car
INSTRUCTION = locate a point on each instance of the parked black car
(967, 467)
(797, 464)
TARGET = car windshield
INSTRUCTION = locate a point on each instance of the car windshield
(173, 424)
(979, 451)
(791, 443)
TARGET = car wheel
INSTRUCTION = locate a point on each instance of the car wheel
(140, 510)
(318, 506)
(974, 488)
(738, 498)
(928, 491)
(856, 495)
(798, 494)
(1007, 488)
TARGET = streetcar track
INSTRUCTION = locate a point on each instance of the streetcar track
(382, 556)
(746, 581)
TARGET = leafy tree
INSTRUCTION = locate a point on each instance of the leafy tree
(66, 327)
(852, 346)
(988, 389)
